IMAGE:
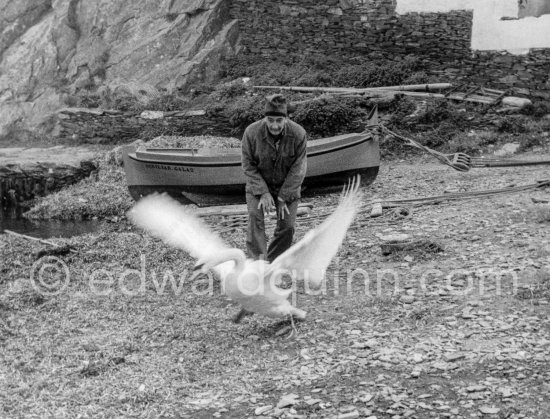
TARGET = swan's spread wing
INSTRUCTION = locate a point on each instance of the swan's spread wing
(309, 258)
(165, 218)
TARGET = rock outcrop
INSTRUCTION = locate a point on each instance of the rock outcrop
(53, 49)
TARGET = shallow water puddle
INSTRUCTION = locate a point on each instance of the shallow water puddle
(13, 221)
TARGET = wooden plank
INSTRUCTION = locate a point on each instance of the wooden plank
(493, 95)
(478, 99)
(471, 91)
(455, 96)
(494, 91)
(478, 94)
(454, 89)
(232, 210)
(499, 98)
(422, 94)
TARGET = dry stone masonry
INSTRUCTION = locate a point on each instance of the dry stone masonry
(372, 29)
(357, 27)
(112, 126)
(19, 183)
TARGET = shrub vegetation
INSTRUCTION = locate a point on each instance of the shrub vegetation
(436, 123)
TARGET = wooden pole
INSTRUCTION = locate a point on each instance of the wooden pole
(410, 87)
(23, 236)
(380, 96)
(407, 90)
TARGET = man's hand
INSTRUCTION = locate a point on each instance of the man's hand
(282, 208)
(266, 202)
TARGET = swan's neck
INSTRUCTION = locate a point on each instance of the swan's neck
(236, 255)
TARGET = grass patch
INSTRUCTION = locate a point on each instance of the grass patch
(321, 118)
(128, 97)
(538, 108)
(96, 197)
(157, 351)
(200, 141)
(106, 195)
(297, 70)
(437, 123)
(331, 116)
(472, 143)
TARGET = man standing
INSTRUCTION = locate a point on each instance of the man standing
(274, 162)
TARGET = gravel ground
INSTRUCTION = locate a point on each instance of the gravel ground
(457, 333)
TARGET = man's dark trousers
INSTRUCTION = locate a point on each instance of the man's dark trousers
(256, 241)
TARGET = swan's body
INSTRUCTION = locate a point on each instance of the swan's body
(250, 283)
(259, 294)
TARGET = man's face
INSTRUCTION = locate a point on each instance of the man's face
(275, 124)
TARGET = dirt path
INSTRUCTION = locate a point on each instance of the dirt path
(461, 333)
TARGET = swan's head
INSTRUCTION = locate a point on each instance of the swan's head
(205, 264)
(201, 267)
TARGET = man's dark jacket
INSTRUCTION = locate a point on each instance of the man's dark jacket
(281, 170)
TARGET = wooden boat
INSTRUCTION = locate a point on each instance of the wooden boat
(210, 176)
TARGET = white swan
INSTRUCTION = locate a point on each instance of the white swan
(250, 283)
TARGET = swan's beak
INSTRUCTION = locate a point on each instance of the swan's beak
(197, 270)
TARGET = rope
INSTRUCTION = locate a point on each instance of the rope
(462, 161)
(389, 203)
(439, 156)
(233, 222)
(458, 161)
(495, 162)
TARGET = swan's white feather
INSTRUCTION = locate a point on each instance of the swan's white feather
(309, 258)
(257, 293)
(247, 282)
(165, 218)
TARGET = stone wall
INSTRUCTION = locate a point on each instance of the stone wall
(82, 125)
(527, 75)
(19, 183)
(350, 27)
(372, 29)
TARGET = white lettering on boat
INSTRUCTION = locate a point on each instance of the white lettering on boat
(167, 167)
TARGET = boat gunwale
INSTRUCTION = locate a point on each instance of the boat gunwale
(222, 160)
(319, 141)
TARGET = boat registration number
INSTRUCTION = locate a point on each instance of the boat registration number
(167, 167)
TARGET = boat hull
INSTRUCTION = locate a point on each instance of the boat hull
(217, 178)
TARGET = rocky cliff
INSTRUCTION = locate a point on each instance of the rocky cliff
(52, 49)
